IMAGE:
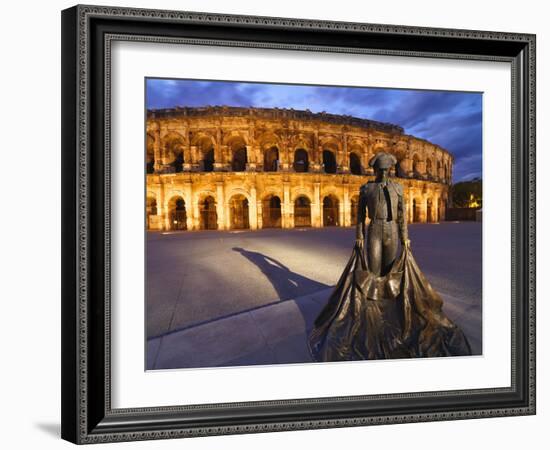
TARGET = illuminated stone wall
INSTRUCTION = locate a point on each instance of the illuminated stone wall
(234, 168)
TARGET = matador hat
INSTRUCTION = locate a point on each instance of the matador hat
(383, 160)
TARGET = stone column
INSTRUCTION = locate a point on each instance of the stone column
(251, 163)
(410, 206)
(187, 158)
(221, 206)
(317, 164)
(316, 210)
(156, 150)
(424, 209)
(253, 210)
(219, 157)
(346, 208)
(341, 218)
(196, 213)
(287, 212)
(259, 209)
(195, 158)
(188, 190)
(342, 157)
(436, 204)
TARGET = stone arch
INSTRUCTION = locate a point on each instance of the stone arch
(301, 160)
(150, 154)
(177, 213)
(239, 212)
(329, 161)
(302, 211)
(271, 159)
(355, 166)
(230, 137)
(239, 155)
(208, 215)
(271, 211)
(150, 211)
(174, 150)
(269, 139)
(205, 152)
(331, 216)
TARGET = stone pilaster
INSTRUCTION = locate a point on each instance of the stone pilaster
(221, 207)
(316, 206)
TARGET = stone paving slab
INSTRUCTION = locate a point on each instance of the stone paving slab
(273, 334)
(195, 277)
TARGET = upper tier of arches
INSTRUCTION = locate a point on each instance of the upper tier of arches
(217, 143)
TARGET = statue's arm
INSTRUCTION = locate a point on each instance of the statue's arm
(402, 217)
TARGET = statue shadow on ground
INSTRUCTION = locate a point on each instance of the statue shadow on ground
(287, 284)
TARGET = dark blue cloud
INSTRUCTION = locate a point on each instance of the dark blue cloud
(450, 119)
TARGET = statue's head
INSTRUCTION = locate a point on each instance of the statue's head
(382, 162)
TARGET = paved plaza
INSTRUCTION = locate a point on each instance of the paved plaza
(226, 298)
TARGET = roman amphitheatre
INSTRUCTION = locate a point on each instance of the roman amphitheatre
(226, 168)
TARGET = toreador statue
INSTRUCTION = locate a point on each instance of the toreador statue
(383, 307)
(382, 201)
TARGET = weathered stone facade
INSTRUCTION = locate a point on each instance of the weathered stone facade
(232, 168)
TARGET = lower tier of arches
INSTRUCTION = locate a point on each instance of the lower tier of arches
(237, 203)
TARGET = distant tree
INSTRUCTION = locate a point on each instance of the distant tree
(467, 194)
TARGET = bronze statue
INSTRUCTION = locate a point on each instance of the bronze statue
(384, 202)
(384, 308)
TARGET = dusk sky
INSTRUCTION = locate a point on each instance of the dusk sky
(449, 119)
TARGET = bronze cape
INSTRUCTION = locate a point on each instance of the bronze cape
(394, 316)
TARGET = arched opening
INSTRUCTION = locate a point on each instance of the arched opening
(302, 212)
(271, 212)
(177, 162)
(150, 210)
(174, 146)
(150, 155)
(301, 161)
(205, 147)
(354, 204)
(208, 161)
(177, 214)
(429, 210)
(416, 211)
(330, 211)
(446, 172)
(271, 159)
(238, 164)
(355, 164)
(329, 161)
(208, 214)
(238, 212)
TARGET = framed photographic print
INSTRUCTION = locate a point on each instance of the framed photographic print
(277, 224)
